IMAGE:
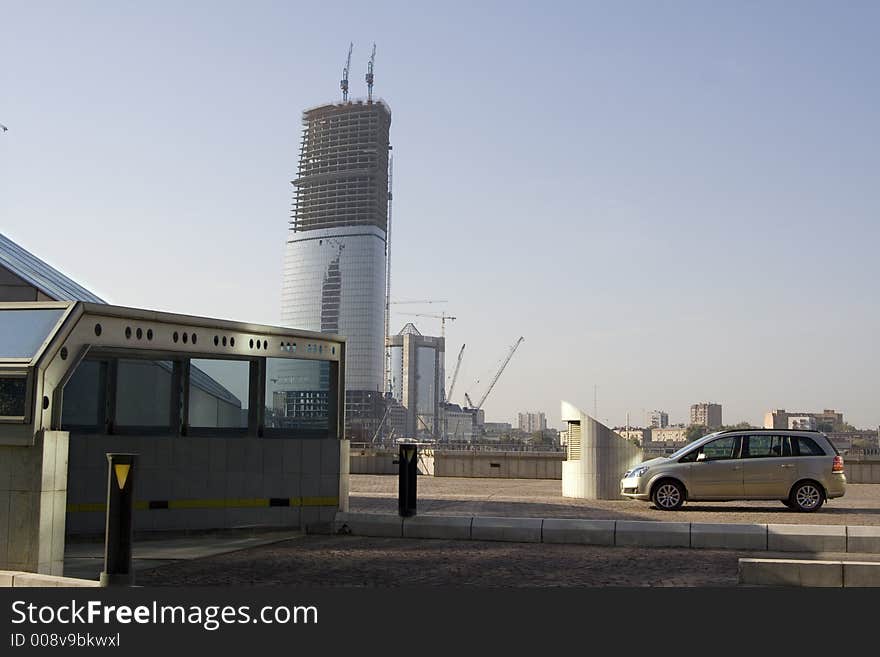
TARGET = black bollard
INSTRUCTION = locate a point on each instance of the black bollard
(119, 533)
(408, 463)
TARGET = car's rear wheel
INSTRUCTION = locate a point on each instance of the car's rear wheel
(807, 496)
(668, 495)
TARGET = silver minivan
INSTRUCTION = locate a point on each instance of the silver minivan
(802, 469)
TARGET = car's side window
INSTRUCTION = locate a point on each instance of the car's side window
(721, 449)
(762, 446)
(807, 447)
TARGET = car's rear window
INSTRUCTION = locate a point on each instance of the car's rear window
(803, 446)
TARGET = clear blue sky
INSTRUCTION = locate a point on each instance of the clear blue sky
(672, 201)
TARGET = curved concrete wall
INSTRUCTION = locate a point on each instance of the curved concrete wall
(597, 460)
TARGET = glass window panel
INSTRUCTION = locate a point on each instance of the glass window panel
(23, 331)
(143, 393)
(720, 449)
(13, 392)
(218, 393)
(83, 397)
(298, 396)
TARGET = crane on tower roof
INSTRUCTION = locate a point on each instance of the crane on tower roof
(369, 76)
(443, 317)
(343, 84)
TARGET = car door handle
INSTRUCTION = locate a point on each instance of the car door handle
(737, 467)
(787, 465)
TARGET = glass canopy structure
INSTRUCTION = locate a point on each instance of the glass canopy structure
(237, 424)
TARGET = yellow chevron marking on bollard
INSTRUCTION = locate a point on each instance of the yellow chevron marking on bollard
(122, 473)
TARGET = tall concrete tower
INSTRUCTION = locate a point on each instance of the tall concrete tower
(334, 271)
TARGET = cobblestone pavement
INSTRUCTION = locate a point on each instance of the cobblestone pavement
(356, 561)
(542, 498)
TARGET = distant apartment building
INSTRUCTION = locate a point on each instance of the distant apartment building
(706, 414)
(803, 422)
(671, 434)
(827, 420)
(658, 419)
(532, 422)
(634, 433)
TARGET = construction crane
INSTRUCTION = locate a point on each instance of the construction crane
(442, 317)
(421, 301)
(468, 398)
(343, 84)
(369, 76)
(495, 378)
(455, 373)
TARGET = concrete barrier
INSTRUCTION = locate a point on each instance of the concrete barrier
(863, 539)
(646, 533)
(17, 579)
(522, 530)
(861, 573)
(728, 537)
(448, 527)
(584, 532)
(632, 533)
(806, 538)
(791, 572)
(368, 524)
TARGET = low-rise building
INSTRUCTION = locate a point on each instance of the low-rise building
(669, 434)
(634, 433)
(827, 420)
(802, 422)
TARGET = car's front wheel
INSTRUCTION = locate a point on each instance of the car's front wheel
(806, 496)
(668, 495)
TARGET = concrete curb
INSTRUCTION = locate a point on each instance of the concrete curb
(728, 537)
(797, 572)
(806, 538)
(368, 524)
(646, 533)
(520, 530)
(632, 533)
(583, 532)
(448, 527)
(16, 579)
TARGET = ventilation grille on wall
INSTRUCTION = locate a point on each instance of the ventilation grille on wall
(574, 441)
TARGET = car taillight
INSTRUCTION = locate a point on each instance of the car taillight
(838, 464)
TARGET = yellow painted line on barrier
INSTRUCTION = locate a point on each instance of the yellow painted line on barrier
(233, 503)
(320, 501)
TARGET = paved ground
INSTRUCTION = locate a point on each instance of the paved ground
(542, 498)
(356, 561)
(85, 558)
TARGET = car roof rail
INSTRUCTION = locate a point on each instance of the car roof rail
(765, 429)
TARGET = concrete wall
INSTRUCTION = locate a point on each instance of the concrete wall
(33, 481)
(862, 469)
(499, 465)
(593, 471)
(211, 482)
(378, 460)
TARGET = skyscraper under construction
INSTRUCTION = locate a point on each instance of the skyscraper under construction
(335, 261)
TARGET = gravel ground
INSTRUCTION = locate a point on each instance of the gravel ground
(356, 561)
(542, 498)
